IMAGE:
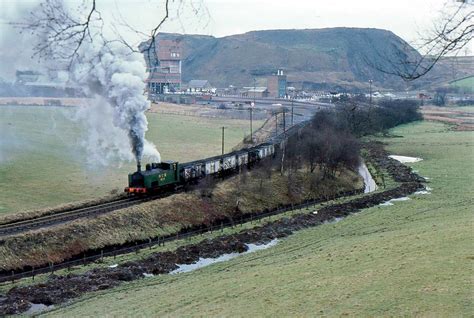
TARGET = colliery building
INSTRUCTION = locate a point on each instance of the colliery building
(277, 85)
(164, 66)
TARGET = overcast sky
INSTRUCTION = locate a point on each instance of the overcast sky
(406, 18)
(226, 17)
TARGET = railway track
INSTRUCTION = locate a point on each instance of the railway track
(70, 215)
(62, 217)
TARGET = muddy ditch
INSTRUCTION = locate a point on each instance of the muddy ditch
(59, 289)
(218, 222)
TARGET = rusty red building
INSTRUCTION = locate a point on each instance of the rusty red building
(164, 66)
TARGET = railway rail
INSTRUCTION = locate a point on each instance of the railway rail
(69, 215)
(219, 225)
(72, 214)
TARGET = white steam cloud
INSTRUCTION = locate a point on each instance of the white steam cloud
(116, 122)
(109, 73)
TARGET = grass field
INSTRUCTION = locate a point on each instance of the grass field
(466, 84)
(412, 258)
(42, 164)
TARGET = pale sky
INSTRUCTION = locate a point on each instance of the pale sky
(406, 18)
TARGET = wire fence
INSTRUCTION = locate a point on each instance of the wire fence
(96, 255)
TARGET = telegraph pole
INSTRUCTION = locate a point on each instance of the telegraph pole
(370, 93)
(284, 120)
(252, 106)
(251, 129)
(276, 124)
(223, 141)
(292, 111)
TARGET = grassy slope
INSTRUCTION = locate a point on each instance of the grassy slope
(465, 83)
(413, 258)
(41, 163)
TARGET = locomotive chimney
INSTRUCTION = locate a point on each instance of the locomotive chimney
(139, 167)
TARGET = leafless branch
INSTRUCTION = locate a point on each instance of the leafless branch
(61, 33)
(449, 36)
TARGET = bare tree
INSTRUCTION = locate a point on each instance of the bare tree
(449, 35)
(63, 29)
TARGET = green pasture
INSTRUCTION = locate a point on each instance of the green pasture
(466, 84)
(414, 258)
(42, 162)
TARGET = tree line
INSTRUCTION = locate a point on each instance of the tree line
(330, 141)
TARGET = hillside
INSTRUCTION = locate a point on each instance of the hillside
(333, 58)
(454, 71)
(412, 258)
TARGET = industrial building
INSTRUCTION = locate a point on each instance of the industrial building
(164, 66)
(200, 86)
(255, 92)
(276, 85)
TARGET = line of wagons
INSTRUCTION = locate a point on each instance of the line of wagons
(168, 174)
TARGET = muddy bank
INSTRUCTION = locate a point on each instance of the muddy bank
(58, 289)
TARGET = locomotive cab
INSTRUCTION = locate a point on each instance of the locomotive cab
(155, 177)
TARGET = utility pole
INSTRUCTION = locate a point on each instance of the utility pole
(223, 141)
(251, 107)
(370, 93)
(251, 130)
(284, 120)
(276, 124)
(292, 111)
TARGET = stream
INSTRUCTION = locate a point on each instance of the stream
(369, 182)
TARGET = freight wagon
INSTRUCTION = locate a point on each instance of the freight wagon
(171, 174)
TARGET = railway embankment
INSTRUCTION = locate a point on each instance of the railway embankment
(58, 289)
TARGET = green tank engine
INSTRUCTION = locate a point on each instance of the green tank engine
(155, 176)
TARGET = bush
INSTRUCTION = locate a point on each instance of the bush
(330, 143)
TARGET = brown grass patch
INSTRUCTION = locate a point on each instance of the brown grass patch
(254, 192)
(461, 119)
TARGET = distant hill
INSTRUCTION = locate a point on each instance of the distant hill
(333, 58)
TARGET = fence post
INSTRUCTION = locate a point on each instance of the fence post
(101, 255)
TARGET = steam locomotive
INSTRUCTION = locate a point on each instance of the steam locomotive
(171, 174)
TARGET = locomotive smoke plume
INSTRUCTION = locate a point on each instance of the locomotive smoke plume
(114, 77)
(108, 72)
